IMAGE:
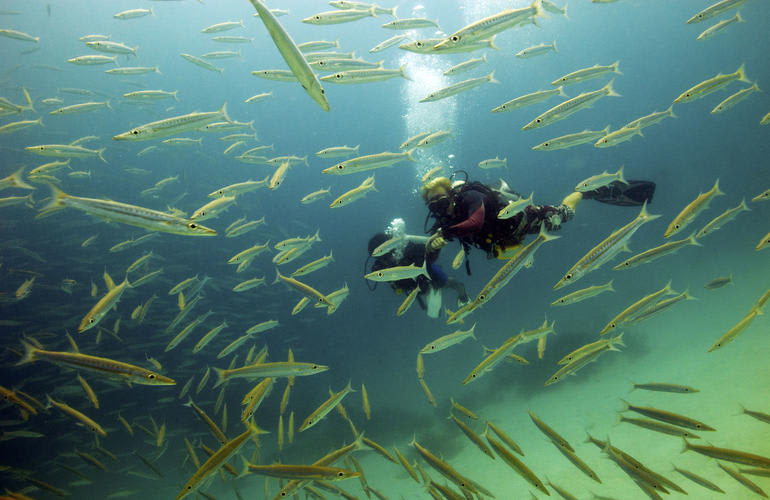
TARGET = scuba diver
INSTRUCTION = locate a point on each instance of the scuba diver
(469, 211)
(410, 249)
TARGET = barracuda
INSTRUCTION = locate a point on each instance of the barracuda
(124, 213)
(606, 250)
(492, 25)
(104, 366)
(570, 107)
(174, 125)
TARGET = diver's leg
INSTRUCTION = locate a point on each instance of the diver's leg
(457, 286)
(572, 200)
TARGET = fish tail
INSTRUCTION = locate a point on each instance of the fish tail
(609, 286)
(107, 103)
(562, 94)
(564, 11)
(616, 68)
(645, 214)
(716, 189)
(403, 73)
(491, 78)
(56, 203)
(619, 339)
(152, 12)
(670, 111)
(29, 353)
(685, 445)
(609, 89)
(174, 95)
(619, 173)
(546, 236)
(742, 74)
(692, 240)
(221, 379)
(492, 43)
(223, 110)
(392, 13)
(18, 181)
(409, 154)
(31, 107)
(554, 46)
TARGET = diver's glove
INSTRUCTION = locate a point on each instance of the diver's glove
(436, 242)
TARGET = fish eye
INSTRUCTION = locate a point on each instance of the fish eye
(546, 144)
(151, 376)
(432, 347)
(323, 92)
(315, 367)
(341, 167)
(317, 18)
(418, 44)
(676, 227)
(626, 263)
(221, 191)
(321, 63)
(455, 38)
(192, 225)
(135, 132)
(90, 320)
(340, 474)
(380, 274)
(338, 76)
(473, 375)
(538, 120)
(189, 488)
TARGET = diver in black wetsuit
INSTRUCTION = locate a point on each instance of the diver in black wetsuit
(414, 252)
(468, 211)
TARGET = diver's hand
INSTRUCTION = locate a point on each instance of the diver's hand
(435, 242)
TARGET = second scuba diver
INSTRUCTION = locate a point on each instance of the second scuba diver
(412, 249)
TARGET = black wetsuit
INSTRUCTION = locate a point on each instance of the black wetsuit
(475, 221)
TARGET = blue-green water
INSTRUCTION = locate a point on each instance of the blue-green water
(363, 340)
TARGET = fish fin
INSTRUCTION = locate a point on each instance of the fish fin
(615, 68)
(29, 353)
(223, 109)
(610, 91)
(742, 74)
(220, 377)
(670, 111)
(18, 181)
(401, 70)
(57, 195)
(554, 46)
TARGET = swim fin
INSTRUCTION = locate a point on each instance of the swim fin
(616, 193)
